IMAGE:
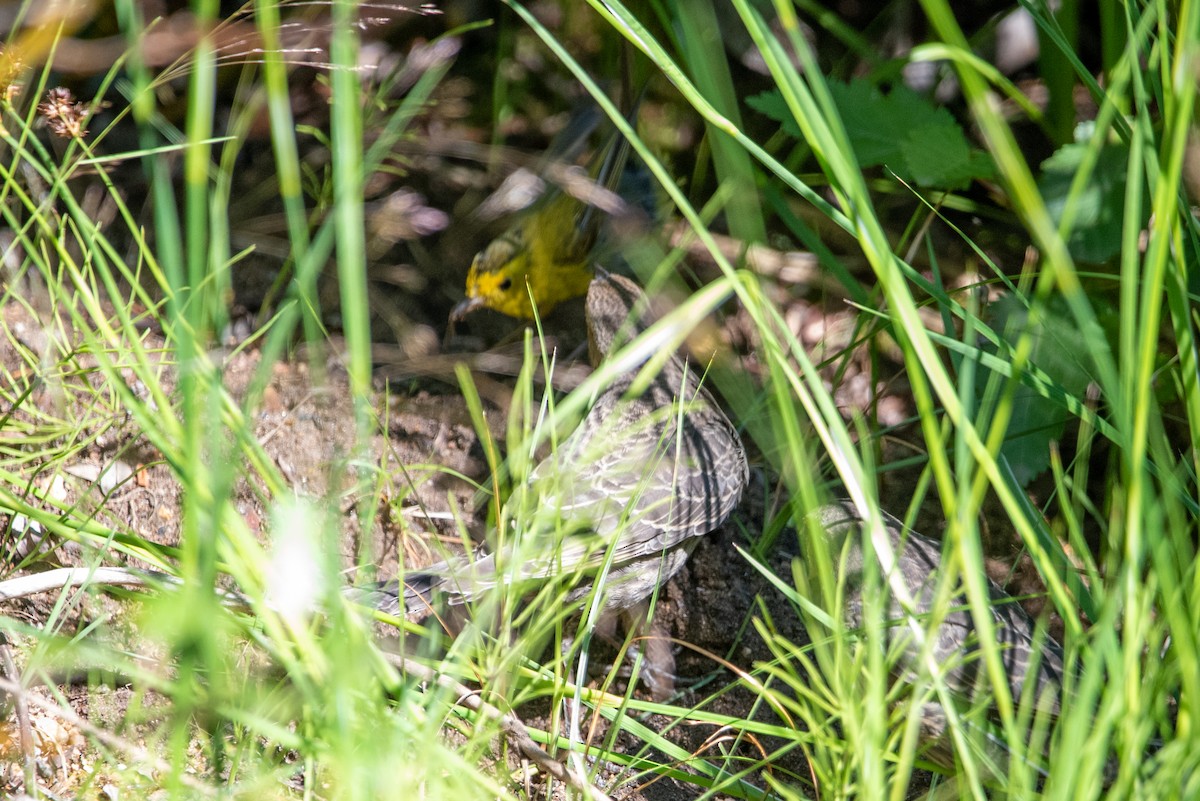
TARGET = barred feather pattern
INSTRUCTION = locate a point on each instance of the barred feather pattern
(1032, 661)
(636, 483)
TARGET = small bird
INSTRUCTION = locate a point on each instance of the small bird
(1025, 656)
(546, 256)
(640, 478)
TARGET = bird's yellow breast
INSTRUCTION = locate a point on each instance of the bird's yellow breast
(541, 259)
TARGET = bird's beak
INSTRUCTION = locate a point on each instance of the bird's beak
(464, 308)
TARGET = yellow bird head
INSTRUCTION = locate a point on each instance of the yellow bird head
(542, 259)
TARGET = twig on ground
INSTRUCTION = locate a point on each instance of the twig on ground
(60, 578)
(63, 577)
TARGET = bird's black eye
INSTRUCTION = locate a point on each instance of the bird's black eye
(506, 285)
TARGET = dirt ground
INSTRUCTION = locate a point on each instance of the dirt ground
(308, 431)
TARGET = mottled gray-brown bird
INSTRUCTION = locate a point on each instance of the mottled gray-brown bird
(643, 475)
(1025, 654)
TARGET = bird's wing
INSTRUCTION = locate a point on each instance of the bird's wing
(956, 645)
(650, 474)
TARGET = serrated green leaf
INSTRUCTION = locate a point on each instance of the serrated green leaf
(1060, 350)
(876, 123)
(773, 106)
(1098, 210)
(902, 130)
(936, 155)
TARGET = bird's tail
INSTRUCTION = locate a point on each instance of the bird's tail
(413, 599)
